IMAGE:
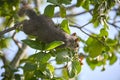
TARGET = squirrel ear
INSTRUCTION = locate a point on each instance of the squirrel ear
(74, 34)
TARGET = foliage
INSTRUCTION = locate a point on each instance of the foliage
(98, 49)
(38, 65)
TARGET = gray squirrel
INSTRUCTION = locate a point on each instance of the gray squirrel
(44, 29)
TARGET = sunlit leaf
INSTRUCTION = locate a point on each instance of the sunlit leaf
(111, 42)
(65, 26)
(96, 23)
(53, 45)
(79, 2)
(113, 59)
(62, 11)
(65, 74)
(4, 43)
(103, 32)
(94, 47)
(91, 63)
(50, 67)
(49, 11)
(86, 4)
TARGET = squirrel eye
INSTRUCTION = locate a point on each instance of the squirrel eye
(77, 39)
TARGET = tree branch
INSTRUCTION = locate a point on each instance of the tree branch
(72, 15)
(80, 28)
(113, 24)
(80, 13)
(10, 69)
(10, 29)
(5, 62)
(20, 54)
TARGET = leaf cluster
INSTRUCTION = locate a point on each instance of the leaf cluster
(38, 65)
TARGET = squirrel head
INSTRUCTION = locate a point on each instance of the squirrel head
(27, 10)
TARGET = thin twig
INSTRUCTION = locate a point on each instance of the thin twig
(80, 28)
(113, 25)
(16, 41)
(10, 29)
(80, 13)
(5, 62)
(85, 24)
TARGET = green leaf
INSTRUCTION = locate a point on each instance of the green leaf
(40, 57)
(62, 11)
(49, 11)
(39, 73)
(4, 43)
(17, 77)
(33, 44)
(94, 47)
(71, 73)
(45, 58)
(59, 2)
(65, 74)
(42, 66)
(91, 63)
(53, 1)
(89, 41)
(103, 32)
(111, 42)
(65, 1)
(65, 26)
(53, 45)
(74, 69)
(48, 74)
(76, 66)
(79, 2)
(113, 59)
(50, 68)
(86, 4)
(62, 56)
(28, 67)
(96, 23)
(30, 77)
